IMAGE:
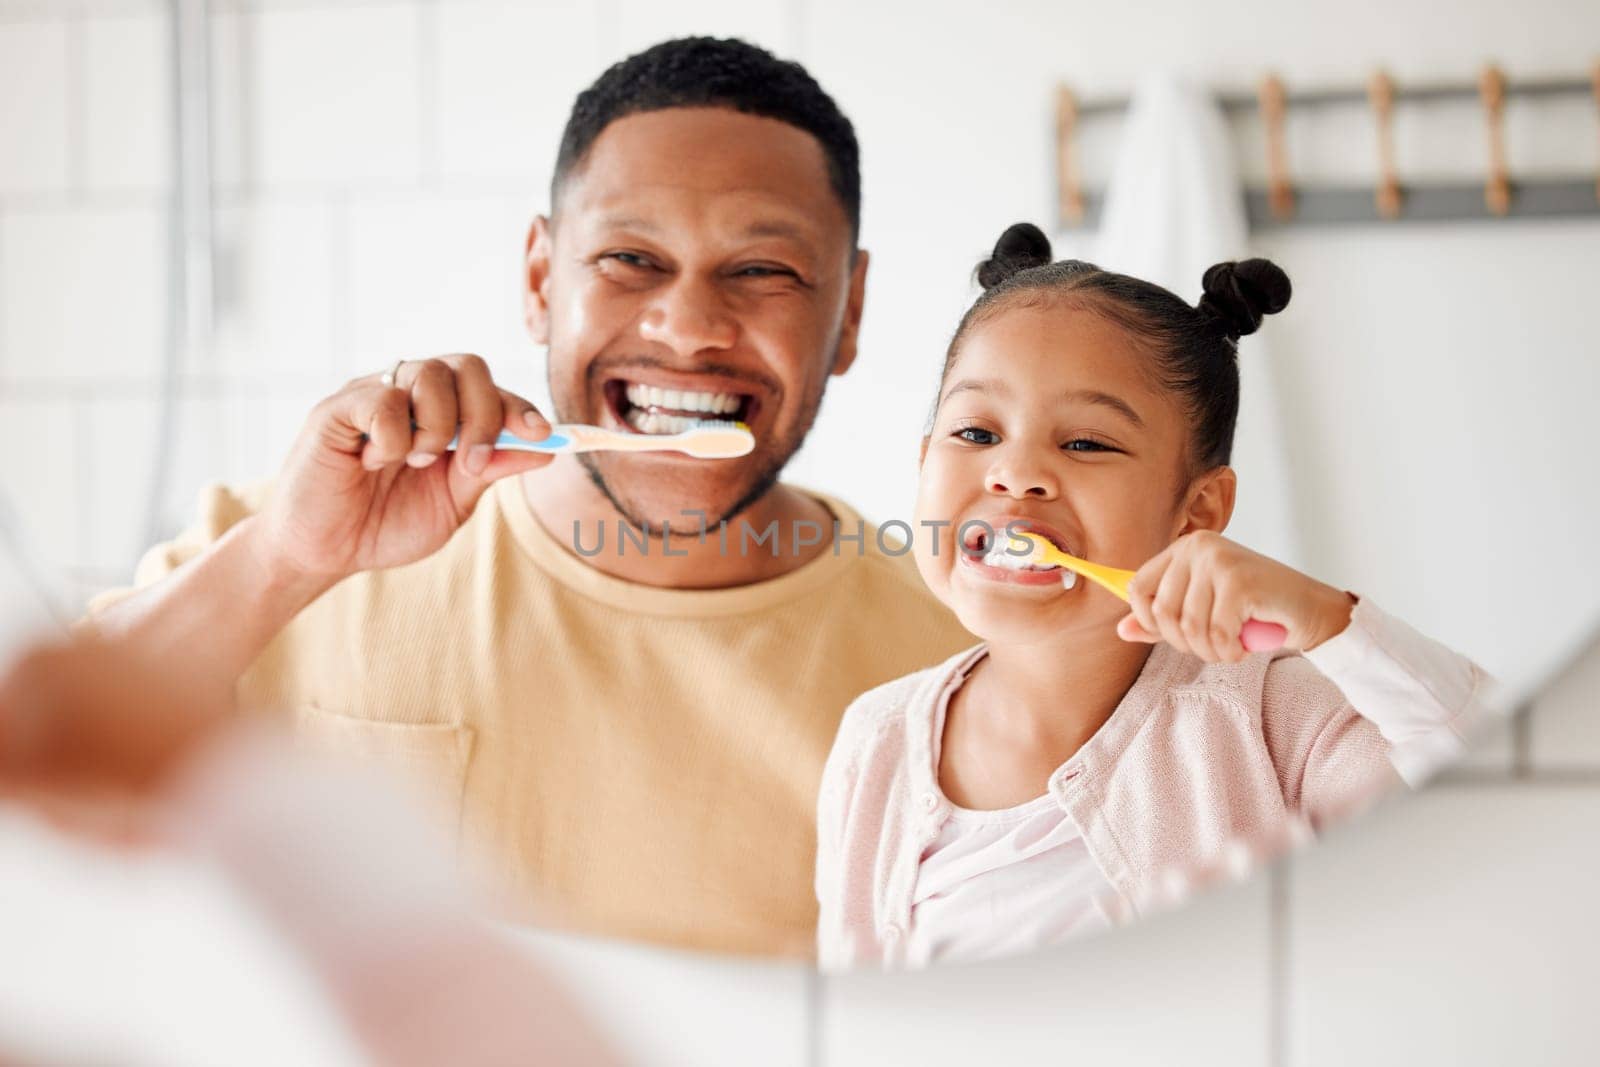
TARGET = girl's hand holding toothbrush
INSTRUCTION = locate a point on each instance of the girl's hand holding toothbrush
(1197, 593)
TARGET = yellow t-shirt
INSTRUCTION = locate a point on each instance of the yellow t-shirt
(631, 760)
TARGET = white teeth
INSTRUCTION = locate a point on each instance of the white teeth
(649, 396)
(1068, 578)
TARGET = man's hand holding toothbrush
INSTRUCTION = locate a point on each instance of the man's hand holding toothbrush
(368, 484)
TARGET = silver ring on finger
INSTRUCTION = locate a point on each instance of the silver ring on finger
(391, 376)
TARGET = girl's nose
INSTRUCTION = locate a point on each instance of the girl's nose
(1019, 477)
(688, 316)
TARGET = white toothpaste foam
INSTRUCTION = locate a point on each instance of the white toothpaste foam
(1001, 554)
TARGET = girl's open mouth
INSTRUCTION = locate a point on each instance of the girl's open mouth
(992, 555)
(652, 409)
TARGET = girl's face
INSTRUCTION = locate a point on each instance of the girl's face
(1050, 415)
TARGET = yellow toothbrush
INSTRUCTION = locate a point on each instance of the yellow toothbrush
(1255, 635)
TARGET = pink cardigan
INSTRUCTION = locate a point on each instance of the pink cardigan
(1201, 768)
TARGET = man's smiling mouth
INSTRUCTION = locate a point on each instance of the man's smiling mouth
(653, 409)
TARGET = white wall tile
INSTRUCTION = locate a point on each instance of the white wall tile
(128, 101)
(275, 289)
(332, 94)
(35, 133)
(665, 1008)
(85, 293)
(1565, 729)
(429, 276)
(233, 432)
(768, 23)
(119, 448)
(1456, 926)
(231, 66)
(499, 110)
(37, 9)
(41, 476)
(1178, 985)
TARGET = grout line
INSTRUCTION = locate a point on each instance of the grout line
(77, 104)
(83, 477)
(200, 385)
(797, 32)
(1522, 741)
(1279, 948)
(5, 384)
(608, 31)
(54, 201)
(233, 196)
(339, 282)
(814, 983)
(429, 165)
(247, 36)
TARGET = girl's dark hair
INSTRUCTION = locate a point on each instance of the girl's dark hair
(1194, 348)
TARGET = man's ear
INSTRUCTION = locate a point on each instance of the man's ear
(536, 281)
(1210, 503)
(854, 302)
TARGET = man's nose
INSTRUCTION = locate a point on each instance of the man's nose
(1022, 473)
(689, 316)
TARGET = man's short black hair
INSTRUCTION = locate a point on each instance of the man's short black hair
(708, 72)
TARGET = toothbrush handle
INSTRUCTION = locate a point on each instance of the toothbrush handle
(1258, 636)
(510, 442)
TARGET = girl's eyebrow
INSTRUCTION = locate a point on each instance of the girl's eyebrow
(1087, 396)
(1115, 403)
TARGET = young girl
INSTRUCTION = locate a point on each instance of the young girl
(1092, 759)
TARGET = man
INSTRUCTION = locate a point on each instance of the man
(631, 737)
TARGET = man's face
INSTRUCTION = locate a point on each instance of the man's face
(699, 266)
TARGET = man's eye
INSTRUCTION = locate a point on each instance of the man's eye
(630, 259)
(764, 271)
(977, 435)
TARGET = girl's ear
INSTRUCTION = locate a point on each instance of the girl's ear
(1210, 503)
(922, 453)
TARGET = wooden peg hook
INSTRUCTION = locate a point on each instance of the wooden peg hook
(1497, 188)
(1069, 186)
(1380, 91)
(1280, 190)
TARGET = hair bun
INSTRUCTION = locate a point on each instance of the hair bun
(1021, 247)
(1240, 294)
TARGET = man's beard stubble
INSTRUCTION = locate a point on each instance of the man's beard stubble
(763, 482)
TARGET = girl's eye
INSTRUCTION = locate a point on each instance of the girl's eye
(1086, 444)
(977, 435)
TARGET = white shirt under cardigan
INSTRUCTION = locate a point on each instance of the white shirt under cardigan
(905, 878)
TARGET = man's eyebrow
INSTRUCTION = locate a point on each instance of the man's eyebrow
(779, 228)
(1115, 403)
(628, 222)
